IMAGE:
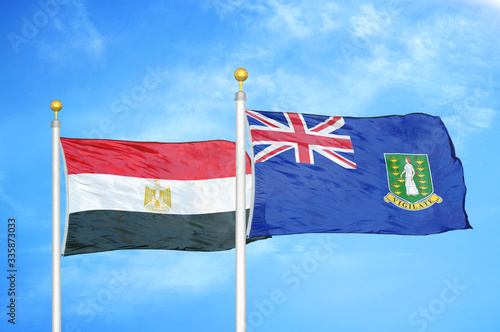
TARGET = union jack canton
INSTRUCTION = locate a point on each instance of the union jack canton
(294, 133)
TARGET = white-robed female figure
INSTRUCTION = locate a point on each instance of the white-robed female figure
(411, 188)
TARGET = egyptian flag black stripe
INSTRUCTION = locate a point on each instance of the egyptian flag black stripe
(138, 230)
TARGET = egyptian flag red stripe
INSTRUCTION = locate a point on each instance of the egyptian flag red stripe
(170, 161)
(149, 195)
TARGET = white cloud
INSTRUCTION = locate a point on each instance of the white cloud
(373, 22)
(261, 248)
(117, 283)
(19, 206)
(422, 48)
(495, 4)
(247, 52)
(200, 102)
(464, 122)
(188, 273)
(418, 55)
(293, 18)
(483, 117)
(76, 35)
(301, 20)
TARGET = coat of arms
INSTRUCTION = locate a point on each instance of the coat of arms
(410, 181)
(157, 198)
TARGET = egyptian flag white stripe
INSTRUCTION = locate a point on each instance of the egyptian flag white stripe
(107, 192)
(114, 192)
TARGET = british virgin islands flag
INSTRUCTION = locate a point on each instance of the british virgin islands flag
(385, 175)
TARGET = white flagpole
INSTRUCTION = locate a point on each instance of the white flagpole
(240, 237)
(56, 220)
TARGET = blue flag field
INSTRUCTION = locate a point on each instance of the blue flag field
(384, 175)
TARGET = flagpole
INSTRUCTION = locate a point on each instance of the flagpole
(240, 234)
(56, 220)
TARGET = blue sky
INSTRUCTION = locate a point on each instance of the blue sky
(163, 71)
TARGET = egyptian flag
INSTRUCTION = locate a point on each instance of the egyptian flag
(149, 195)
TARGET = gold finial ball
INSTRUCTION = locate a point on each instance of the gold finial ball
(241, 74)
(56, 105)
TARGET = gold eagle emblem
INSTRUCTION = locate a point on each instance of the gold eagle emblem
(157, 198)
